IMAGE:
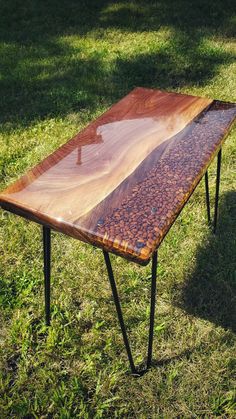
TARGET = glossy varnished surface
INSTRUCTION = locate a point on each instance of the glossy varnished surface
(121, 182)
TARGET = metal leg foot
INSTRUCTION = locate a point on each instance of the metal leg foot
(47, 270)
(217, 189)
(120, 315)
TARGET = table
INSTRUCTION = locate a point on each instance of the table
(121, 182)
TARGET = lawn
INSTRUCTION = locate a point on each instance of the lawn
(62, 64)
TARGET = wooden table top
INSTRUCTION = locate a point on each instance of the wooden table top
(121, 182)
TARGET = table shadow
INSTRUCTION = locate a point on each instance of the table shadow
(209, 291)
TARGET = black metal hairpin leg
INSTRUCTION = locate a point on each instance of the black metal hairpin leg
(47, 270)
(216, 195)
(119, 311)
(217, 189)
(152, 308)
(207, 198)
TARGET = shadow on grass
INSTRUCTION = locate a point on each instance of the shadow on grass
(43, 75)
(209, 291)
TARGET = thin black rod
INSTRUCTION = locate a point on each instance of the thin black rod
(118, 309)
(207, 198)
(47, 271)
(217, 189)
(152, 308)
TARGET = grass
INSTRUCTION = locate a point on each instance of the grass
(63, 64)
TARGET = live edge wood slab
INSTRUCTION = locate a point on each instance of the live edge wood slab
(121, 182)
